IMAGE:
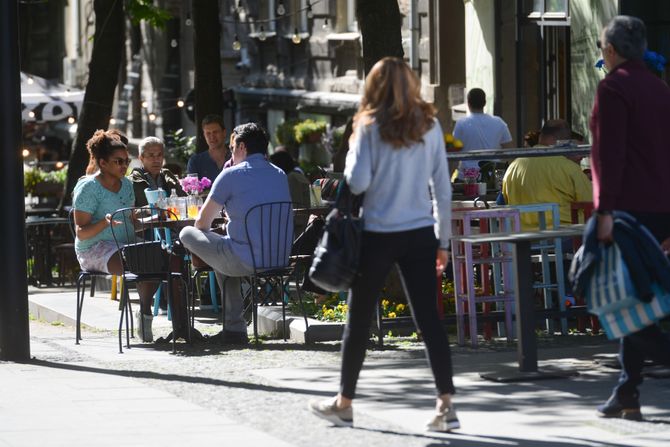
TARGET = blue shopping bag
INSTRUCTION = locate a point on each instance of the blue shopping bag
(611, 295)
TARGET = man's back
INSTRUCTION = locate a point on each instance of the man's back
(239, 188)
(545, 180)
(480, 131)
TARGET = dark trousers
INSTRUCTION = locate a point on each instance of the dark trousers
(414, 252)
(651, 342)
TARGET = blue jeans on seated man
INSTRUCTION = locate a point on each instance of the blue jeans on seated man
(216, 250)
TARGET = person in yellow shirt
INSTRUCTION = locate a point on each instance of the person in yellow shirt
(554, 179)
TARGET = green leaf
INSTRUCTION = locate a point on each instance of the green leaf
(144, 10)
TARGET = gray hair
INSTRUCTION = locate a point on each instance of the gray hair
(149, 141)
(628, 36)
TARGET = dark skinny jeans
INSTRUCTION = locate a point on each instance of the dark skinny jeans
(414, 252)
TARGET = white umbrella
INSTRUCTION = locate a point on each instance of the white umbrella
(43, 100)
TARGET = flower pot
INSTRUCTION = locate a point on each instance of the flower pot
(470, 189)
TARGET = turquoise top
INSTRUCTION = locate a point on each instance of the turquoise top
(93, 198)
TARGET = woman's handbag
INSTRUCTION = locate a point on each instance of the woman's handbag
(336, 257)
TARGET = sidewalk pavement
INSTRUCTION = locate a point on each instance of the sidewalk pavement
(80, 403)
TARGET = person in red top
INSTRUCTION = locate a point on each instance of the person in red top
(629, 161)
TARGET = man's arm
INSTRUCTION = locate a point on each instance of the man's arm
(210, 209)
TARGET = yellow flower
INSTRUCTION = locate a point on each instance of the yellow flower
(458, 144)
(391, 315)
(385, 303)
(448, 138)
(400, 308)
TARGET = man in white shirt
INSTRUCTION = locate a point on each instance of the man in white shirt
(479, 130)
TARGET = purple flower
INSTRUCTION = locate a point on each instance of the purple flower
(205, 183)
(600, 64)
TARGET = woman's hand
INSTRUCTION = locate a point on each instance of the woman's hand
(441, 261)
(114, 223)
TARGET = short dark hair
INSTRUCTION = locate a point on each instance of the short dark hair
(628, 36)
(558, 129)
(253, 136)
(476, 98)
(283, 160)
(213, 118)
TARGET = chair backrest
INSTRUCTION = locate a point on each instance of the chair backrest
(70, 218)
(142, 247)
(269, 231)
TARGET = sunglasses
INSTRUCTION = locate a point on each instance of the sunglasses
(121, 161)
(600, 44)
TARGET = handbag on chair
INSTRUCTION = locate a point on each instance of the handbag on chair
(336, 257)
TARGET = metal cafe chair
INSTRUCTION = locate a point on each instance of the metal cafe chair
(145, 256)
(271, 257)
(83, 276)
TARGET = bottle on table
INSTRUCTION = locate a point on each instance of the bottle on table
(173, 203)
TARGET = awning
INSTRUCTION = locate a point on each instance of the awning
(43, 100)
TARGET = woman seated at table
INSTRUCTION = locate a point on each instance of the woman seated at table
(152, 175)
(95, 198)
(298, 184)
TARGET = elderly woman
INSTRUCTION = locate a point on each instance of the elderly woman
(152, 175)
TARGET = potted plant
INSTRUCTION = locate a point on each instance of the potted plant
(179, 147)
(285, 136)
(308, 135)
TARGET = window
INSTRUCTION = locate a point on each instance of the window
(551, 12)
(352, 23)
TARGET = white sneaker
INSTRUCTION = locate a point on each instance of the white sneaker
(444, 420)
(143, 327)
(327, 409)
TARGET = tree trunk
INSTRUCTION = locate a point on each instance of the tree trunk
(380, 24)
(207, 57)
(102, 79)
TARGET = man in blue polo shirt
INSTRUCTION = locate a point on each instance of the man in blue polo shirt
(210, 162)
(251, 181)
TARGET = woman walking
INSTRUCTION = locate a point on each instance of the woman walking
(398, 159)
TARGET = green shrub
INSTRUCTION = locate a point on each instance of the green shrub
(308, 128)
(179, 147)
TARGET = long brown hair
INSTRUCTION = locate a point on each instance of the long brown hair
(392, 99)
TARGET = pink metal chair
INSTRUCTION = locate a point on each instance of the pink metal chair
(492, 257)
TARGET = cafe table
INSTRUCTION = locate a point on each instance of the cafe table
(523, 296)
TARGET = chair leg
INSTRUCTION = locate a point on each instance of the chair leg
(121, 318)
(81, 291)
(254, 309)
(170, 300)
(93, 278)
(157, 299)
(302, 306)
(380, 326)
(212, 292)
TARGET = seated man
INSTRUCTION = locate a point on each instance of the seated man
(152, 175)
(250, 182)
(554, 179)
(210, 162)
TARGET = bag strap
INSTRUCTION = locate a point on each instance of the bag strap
(347, 202)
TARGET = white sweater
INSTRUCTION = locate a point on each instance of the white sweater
(405, 188)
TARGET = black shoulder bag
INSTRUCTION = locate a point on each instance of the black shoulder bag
(336, 257)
